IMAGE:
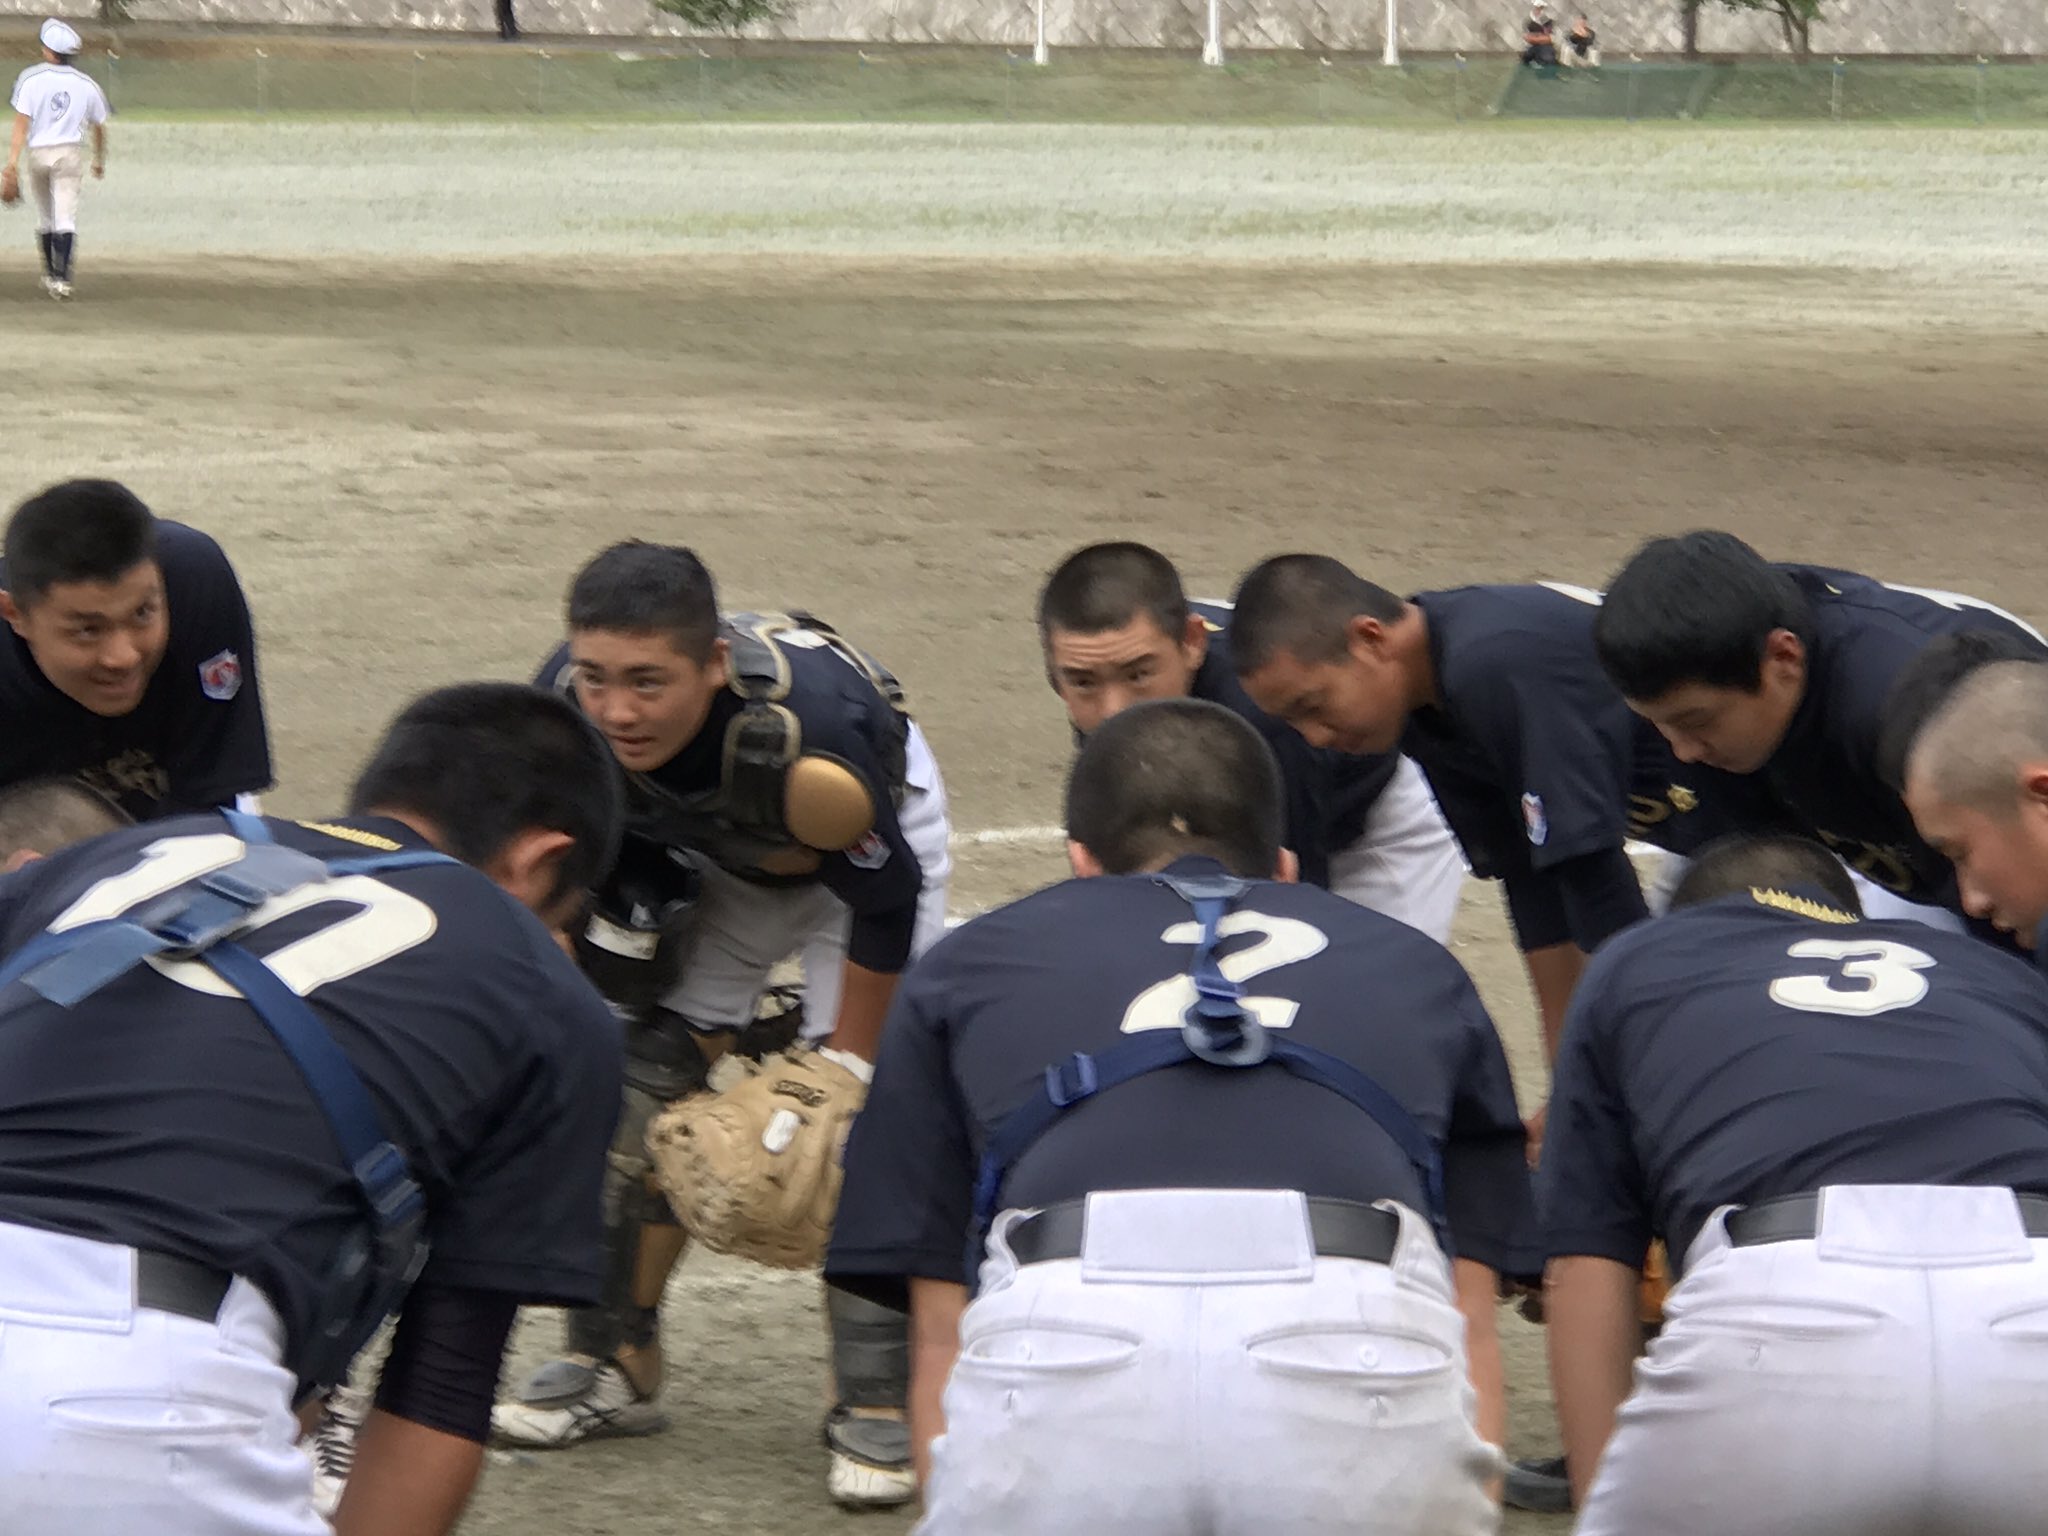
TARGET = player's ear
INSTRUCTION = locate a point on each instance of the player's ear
(719, 666)
(1367, 634)
(2033, 787)
(528, 868)
(1287, 868)
(1194, 640)
(1083, 863)
(1785, 654)
(11, 613)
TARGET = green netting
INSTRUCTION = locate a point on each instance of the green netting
(1627, 90)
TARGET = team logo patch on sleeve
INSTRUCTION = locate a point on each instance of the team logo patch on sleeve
(220, 677)
(871, 852)
(1533, 819)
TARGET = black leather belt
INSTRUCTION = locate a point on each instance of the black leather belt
(179, 1286)
(1341, 1229)
(1789, 1218)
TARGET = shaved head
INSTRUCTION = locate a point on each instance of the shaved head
(1973, 748)
(1977, 785)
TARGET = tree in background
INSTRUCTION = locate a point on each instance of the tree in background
(1689, 26)
(1795, 16)
(727, 16)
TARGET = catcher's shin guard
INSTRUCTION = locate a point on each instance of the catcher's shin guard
(867, 1433)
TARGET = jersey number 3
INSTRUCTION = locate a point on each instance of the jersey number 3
(1872, 977)
(385, 922)
(1282, 941)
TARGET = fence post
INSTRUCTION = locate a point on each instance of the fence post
(540, 80)
(1983, 65)
(1392, 56)
(262, 81)
(113, 78)
(417, 56)
(1458, 91)
(1212, 45)
(1835, 89)
(1635, 68)
(1039, 53)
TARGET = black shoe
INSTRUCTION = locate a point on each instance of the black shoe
(1539, 1485)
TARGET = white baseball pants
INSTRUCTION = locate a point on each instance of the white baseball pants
(1889, 1378)
(117, 1420)
(55, 175)
(1405, 863)
(1200, 1369)
(745, 930)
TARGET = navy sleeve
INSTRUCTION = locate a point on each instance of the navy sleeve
(1486, 1163)
(1601, 896)
(1552, 752)
(907, 1207)
(1536, 908)
(1591, 1188)
(880, 881)
(524, 1213)
(219, 745)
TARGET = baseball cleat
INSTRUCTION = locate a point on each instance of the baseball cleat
(870, 1467)
(59, 289)
(332, 1445)
(600, 1403)
(1539, 1485)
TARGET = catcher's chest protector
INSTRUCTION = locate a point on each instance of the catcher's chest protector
(776, 807)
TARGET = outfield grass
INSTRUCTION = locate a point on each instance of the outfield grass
(1942, 206)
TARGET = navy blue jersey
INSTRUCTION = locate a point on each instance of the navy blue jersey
(841, 715)
(1825, 771)
(1329, 794)
(1076, 967)
(1534, 756)
(196, 740)
(1769, 1044)
(162, 1113)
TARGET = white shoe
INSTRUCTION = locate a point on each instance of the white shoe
(333, 1445)
(49, 285)
(870, 1467)
(59, 289)
(610, 1406)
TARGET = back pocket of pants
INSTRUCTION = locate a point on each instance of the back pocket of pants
(152, 1416)
(1318, 1351)
(1041, 1348)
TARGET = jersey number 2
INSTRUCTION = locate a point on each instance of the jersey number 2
(385, 922)
(1282, 941)
(1884, 976)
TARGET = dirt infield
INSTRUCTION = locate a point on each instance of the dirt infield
(407, 462)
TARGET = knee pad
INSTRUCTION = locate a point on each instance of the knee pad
(870, 1351)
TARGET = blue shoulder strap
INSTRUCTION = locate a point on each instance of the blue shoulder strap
(1217, 1030)
(199, 921)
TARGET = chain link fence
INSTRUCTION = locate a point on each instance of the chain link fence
(959, 85)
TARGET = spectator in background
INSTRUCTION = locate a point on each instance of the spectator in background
(1539, 38)
(1582, 44)
(508, 24)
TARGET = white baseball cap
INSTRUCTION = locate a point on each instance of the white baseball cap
(59, 38)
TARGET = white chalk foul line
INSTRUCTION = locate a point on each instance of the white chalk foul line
(993, 837)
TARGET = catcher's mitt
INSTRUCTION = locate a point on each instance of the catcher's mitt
(755, 1170)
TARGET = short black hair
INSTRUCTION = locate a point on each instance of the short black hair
(1105, 586)
(1926, 682)
(640, 588)
(44, 815)
(1172, 777)
(1734, 866)
(483, 762)
(79, 530)
(1304, 605)
(1699, 608)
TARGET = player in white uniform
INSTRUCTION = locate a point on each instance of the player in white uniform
(55, 108)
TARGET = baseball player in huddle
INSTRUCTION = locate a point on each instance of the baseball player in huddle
(1117, 628)
(1234, 1164)
(1841, 1125)
(263, 1083)
(781, 803)
(1497, 692)
(1784, 675)
(56, 108)
(1977, 782)
(129, 658)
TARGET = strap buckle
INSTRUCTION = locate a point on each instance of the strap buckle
(1069, 1082)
